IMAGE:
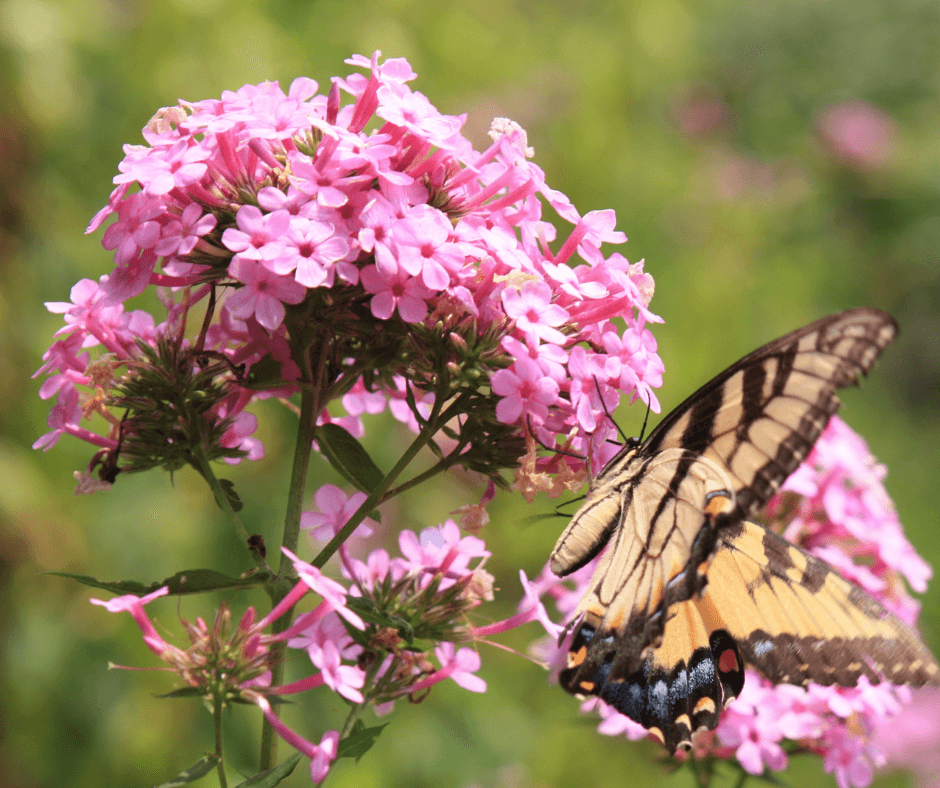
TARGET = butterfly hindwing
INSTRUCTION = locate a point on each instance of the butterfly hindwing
(685, 587)
(797, 620)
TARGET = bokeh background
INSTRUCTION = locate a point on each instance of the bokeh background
(771, 161)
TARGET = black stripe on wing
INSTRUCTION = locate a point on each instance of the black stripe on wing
(762, 415)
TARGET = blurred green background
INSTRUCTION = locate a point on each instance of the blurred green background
(701, 123)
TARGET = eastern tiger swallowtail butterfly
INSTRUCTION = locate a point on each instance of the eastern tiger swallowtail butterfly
(689, 590)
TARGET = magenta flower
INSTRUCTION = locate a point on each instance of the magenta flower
(457, 665)
(531, 308)
(335, 511)
(264, 294)
(524, 390)
(398, 293)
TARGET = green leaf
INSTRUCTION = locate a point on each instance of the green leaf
(367, 611)
(272, 777)
(348, 457)
(359, 741)
(228, 490)
(189, 581)
(195, 772)
(186, 692)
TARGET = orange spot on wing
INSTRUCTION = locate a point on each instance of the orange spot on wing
(728, 661)
(717, 504)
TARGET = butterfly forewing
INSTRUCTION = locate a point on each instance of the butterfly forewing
(680, 594)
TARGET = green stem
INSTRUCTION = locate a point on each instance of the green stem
(295, 496)
(217, 713)
(378, 494)
(204, 467)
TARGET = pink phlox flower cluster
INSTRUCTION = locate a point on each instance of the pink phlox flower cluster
(274, 195)
(845, 508)
(441, 550)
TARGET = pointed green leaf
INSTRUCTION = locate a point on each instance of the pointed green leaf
(234, 501)
(195, 772)
(272, 777)
(189, 581)
(360, 741)
(348, 457)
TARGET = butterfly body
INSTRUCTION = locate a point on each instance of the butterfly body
(689, 590)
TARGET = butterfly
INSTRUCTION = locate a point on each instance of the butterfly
(689, 589)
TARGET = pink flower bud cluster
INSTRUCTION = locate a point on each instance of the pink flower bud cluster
(252, 203)
(336, 659)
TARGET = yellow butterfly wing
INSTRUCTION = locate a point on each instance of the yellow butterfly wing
(667, 511)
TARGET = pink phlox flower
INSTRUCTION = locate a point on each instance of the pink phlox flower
(424, 247)
(321, 756)
(277, 118)
(346, 680)
(327, 630)
(295, 202)
(459, 666)
(359, 400)
(239, 436)
(159, 170)
(845, 499)
(114, 200)
(64, 364)
(550, 358)
(439, 550)
(134, 605)
(525, 390)
(530, 306)
(613, 723)
(592, 230)
(373, 571)
(632, 358)
(335, 511)
(750, 727)
(376, 220)
(327, 185)
(911, 739)
(180, 235)
(64, 418)
(400, 292)
(393, 73)
(333, 593)
(352, 424)
(413, 111)
(255, 232)
(135, 229)
(264, 293)
(530, 609)
(570, 283)
(850, 757)
(309, 248)
(398, 404)
(588, 394)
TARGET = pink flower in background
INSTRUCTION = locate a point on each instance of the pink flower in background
(858, 134)
(911, 740)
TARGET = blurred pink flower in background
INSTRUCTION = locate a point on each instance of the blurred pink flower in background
(858, 134)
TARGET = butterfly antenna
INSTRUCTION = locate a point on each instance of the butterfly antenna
(552, 449)
(610, 418)
(646, 418)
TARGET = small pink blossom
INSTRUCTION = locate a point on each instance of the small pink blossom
(264, 294)
(524, 390)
